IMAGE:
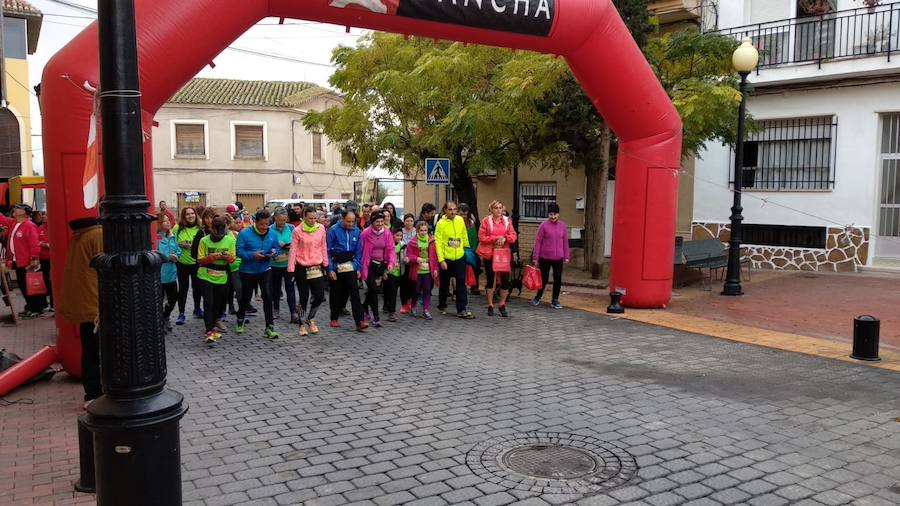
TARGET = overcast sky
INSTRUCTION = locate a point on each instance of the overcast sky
(312, 42)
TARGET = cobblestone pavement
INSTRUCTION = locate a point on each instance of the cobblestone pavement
(388, 417)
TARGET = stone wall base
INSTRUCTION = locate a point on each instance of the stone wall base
(845, 251)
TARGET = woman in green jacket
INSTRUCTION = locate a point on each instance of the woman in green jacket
(184, 233)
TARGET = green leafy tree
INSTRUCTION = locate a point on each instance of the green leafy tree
(407, 100)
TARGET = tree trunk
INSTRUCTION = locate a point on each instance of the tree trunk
(465, 188)
(596, 183)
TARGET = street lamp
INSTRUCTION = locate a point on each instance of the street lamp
(744, 60)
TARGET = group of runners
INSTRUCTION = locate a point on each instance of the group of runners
(224, 258)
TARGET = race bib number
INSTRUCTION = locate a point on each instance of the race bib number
(216, 274)
(345, 267)
(281, 258)
(313, 272)
(454, 243)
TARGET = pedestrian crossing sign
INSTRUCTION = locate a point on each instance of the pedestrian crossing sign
(437, 170)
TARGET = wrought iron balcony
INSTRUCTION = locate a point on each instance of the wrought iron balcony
(854, 33)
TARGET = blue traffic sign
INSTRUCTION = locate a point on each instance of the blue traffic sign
(437, 170)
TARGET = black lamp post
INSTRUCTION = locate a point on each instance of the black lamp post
(744, 59)
(135, 424)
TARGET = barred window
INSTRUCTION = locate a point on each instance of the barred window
(534, 199)
(791, 155)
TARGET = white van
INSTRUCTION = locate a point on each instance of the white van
(324, 204)
(397, 200)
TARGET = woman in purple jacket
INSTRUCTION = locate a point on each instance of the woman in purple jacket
(551, 249)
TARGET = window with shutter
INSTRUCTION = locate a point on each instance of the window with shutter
(317, 147)
(190, 140)
(249, 142)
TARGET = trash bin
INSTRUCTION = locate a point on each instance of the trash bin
(866, 330)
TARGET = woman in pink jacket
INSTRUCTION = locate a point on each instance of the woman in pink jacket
(308, 260)
(551, 249)
(378, 257)
(496, 232)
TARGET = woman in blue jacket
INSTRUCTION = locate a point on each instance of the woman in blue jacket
(344, 255)
(168, 246)
(257, 245)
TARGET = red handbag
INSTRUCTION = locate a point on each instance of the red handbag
(501, 260)
(470, 276)
(532, 278)
(34, 284)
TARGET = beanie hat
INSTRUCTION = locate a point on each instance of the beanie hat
(553, 208)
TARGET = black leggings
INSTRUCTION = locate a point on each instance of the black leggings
(45, 270)
(407, 289)
(171, 292)
(187, 277)
(373, 282)
(316, 287)
(391, 285)
(545, 266)
(491, 275)
(234, 290)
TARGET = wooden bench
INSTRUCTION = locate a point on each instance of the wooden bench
(709, 254)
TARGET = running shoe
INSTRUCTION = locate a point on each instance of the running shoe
(443, 310)
(313, 328)
(503, 312)
(303, 330)
(252, 310)
(536, 301)
(335, 324)
(414, 313)
(270, 332)
(295, 318)
(405, 308)
(198, 313)
(180, 319)
(239, 328)
(212, 337)
(466, 315)
(428, 316)
(362, 326)
(219, 327)
(392, 317)
(30, 315)
(377, 324)
(556, 305)
(490, 310)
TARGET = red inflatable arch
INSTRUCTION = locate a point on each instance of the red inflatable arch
(177, 38)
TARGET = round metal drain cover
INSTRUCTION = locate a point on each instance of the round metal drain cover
(552, 463)
(549, 462)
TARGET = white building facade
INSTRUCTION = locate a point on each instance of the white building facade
(821, 170)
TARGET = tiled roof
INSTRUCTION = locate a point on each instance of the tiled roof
(206, 91)
(20, 7)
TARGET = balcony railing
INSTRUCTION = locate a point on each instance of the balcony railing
(837, 35)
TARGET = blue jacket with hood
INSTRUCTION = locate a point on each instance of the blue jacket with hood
(249, 242)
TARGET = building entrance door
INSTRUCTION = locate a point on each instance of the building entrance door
(887, 244)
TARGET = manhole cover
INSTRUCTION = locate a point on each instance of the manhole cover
(553, 463)
(549, 462)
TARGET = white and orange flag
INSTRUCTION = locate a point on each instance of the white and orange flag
(89, 180)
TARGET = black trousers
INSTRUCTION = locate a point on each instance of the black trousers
(545, 266)
(45, 270)
(456, 269)
(213, 302)
(391, 286)
(187, 278)
(407, 289)
(279, 276)
(343, 289)
(307, 287)
(234, 290)
(373, 283)
(249, 283)
(491, 276)
(33, 303)
(90, 361)
(171, 292)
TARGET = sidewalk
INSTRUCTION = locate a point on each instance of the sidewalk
(809, 313)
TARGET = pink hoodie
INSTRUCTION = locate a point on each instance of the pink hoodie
(307, 249)
(367, 238)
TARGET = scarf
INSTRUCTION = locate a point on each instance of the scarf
(311, 229)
